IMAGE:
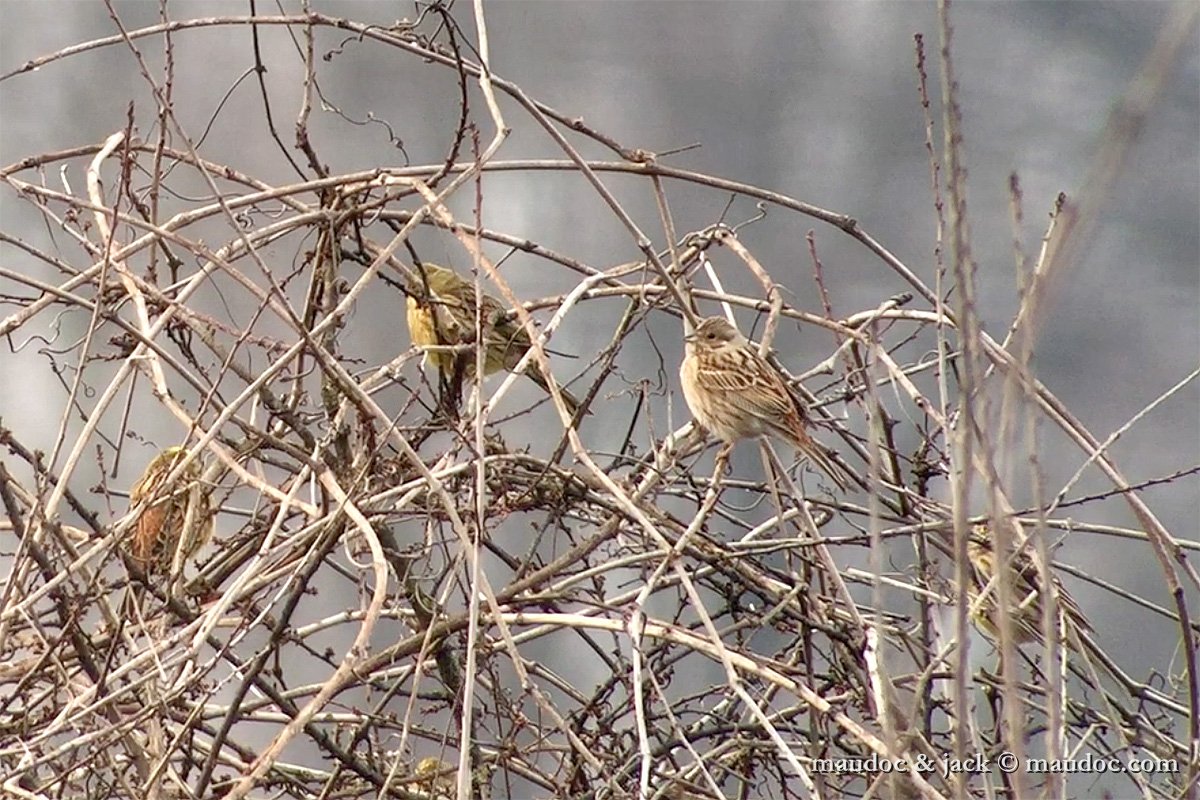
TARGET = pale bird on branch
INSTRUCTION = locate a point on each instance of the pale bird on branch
(735, 394)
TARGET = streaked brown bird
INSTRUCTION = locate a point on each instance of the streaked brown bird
(169, 514)
(734, 393)
(1027, 593)
(448, 318)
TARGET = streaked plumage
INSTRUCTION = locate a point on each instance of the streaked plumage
(736, 394)
(452, 305)
(1026, 593)
(164, 516)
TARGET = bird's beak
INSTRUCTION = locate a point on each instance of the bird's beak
(691, 337)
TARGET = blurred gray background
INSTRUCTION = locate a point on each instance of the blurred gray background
(815, 100)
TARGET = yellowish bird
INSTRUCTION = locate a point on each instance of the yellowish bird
(448, 318)
(1027, 593)
(168, 514)
(433, 778)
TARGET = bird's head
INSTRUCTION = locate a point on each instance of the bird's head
(714, 333)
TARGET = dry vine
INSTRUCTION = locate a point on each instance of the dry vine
(405, 599)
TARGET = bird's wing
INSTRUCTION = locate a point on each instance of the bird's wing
(455, 319)
(507, 334)
(1029, 584)
(752, 387)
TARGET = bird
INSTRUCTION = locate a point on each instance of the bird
(433, 778)
(167, 514)
(447, 317)
(734, 393)
(1026, 594)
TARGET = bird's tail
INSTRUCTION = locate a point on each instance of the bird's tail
(537, 376)
(821, 457)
